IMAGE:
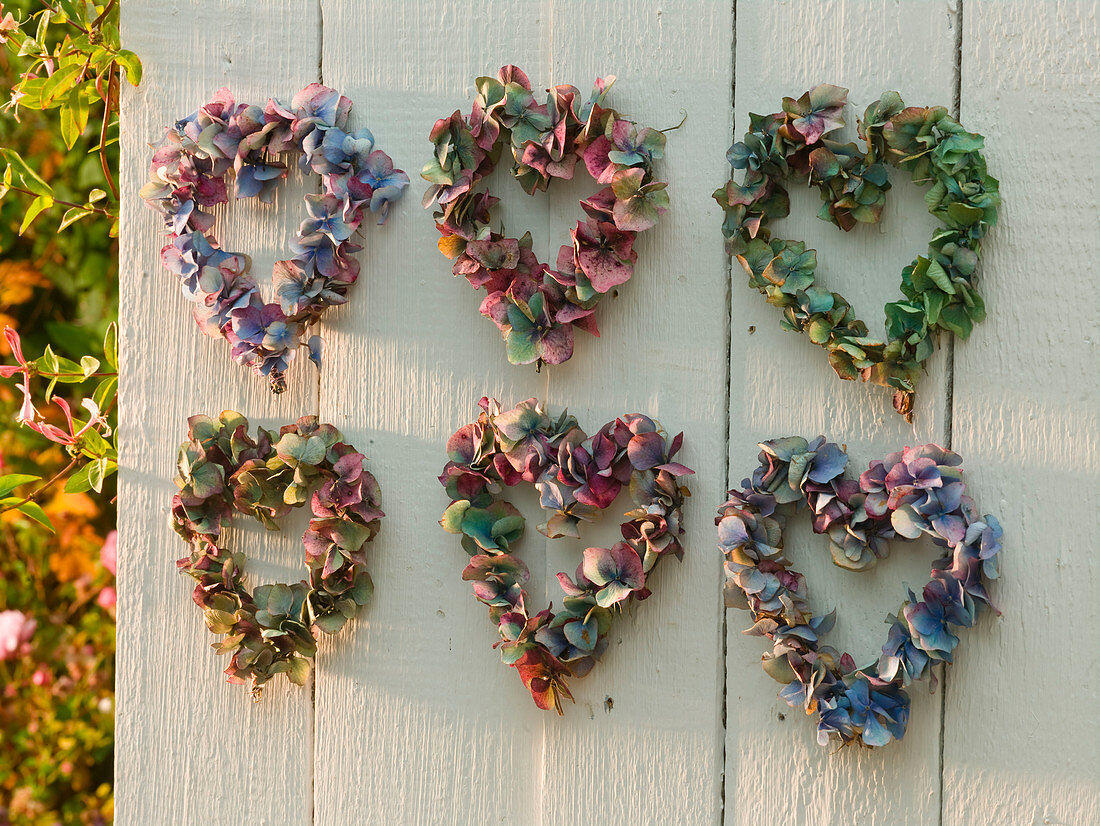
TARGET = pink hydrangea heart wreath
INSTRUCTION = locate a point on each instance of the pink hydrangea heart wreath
(536, 307)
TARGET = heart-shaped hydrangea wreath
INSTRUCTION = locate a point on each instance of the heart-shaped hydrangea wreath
(535, 307)
(222, 470)
(917, 491)
(188, 174)
(577, 477)
(940, 292)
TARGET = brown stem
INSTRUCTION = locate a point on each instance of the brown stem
(72, 23)
(106, 119)
(103, 14)
(40, 490)
(59, 202)
(67, 375)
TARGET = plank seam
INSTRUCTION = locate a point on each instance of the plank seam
(317, 407)
(949, 404)
(724, 630)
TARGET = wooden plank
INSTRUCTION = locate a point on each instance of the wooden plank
(191, 749)
(648, 717)
(1022, 738)
(781, 384)
(442, 732)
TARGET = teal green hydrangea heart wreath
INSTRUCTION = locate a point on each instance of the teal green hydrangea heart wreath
(222, 470)
(187, 177)
(577, 478)
(536, 307)
(940, 288)
(917, 491)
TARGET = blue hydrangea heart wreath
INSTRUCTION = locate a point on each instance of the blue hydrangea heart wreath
(187, 176)
(536, 307)
(577, 477)
(221, 471)
(940, 289)
(916, 491)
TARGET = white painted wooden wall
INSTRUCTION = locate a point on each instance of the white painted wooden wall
(411, 718)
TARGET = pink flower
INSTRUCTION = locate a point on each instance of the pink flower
(107, 598)
(7, 26)
(56, 434)
(27, 413)
(40, 677)
(15, 632)
(108, 554)
(9, 370)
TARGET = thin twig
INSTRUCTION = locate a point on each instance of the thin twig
(33, 496)
(70, 375)
(103, 14)
(73, 23)
(59, 202)
(103, 128)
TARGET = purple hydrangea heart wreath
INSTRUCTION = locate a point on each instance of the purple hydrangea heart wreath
(913, 492)
(188, 176)
(577, 478)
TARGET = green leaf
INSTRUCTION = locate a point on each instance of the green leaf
(94, 446)
(38, 206)
(105, 392)
(89, 365)
(11, 481)
(70, 9)
(27, 176)
(35, 512)
(69, 132)
(131, 63)
(955, 319)
(71, 216)
(91, 476)
(74, 117)
(110, 342)
(59, 83)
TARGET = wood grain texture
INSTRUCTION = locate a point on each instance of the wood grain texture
(426, 357)
(192, 749)
(444, 733)
(648, 716)
(411, 717)
(1022, 742)
(781, 384)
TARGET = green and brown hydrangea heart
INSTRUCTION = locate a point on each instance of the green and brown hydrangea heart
(939, 289)
(223, 472)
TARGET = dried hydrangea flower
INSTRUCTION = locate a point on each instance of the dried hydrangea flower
(187, 177)
(912, 492)
(222, 470)
(939, 290)
(577, 477)
(535, 306)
